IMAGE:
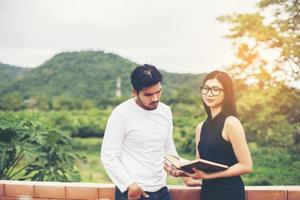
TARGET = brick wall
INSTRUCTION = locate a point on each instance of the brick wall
(12, 190)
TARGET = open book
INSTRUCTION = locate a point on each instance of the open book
(187, 165)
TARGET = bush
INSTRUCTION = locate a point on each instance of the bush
(31, 150)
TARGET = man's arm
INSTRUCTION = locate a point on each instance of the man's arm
(169, 145)
(111, 151)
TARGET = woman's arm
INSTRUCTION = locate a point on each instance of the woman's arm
(234, 133)
(197, 138)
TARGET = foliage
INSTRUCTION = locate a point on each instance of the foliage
(273, 166)
(76, 80)
(79, 123)
(74, 92)
(12, 101)
(31, 150)
(9, 72)
(273, 30)
(85, 74)
(175, 85)
(75, 123)
(271, 117)
(185, 120)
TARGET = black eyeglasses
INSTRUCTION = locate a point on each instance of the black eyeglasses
(215, 91)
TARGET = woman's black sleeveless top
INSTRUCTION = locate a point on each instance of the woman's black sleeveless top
(213, 147)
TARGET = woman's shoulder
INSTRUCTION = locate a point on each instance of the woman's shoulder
(198, 132)
(231, 120)
(233, 125)
(199, 126)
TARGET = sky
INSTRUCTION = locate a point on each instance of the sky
(174, 35)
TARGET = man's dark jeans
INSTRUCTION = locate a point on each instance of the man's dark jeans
(162, 194)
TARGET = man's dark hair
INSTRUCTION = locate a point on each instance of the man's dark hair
(145, 76)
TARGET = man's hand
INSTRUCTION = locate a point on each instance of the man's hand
(135, 192)
(173, 171)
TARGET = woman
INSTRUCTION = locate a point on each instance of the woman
(221, 139)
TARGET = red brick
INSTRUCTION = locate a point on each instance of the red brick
(18, 189)
(40, 198)
(294, 194)
(81, 192)
(1, 189)
(106, 199)
(267, 194)
(106, 193)
(57, 199)
(50, 191)
(190, 193)
(72, 199)
(8, 198)
(175, 193)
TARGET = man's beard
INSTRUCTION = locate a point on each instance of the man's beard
(153, 105)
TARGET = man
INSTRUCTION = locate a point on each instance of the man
(137, 136)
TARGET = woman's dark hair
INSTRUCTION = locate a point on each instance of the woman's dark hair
(229, 104)
(145, 76)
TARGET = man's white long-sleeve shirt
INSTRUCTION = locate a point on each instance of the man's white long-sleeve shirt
(134, 145)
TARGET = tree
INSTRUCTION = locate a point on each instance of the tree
(29, 150)
(273, 31)
(270, 121)
(12, 101)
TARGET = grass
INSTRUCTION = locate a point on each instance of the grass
(272, 166)
(91, 169)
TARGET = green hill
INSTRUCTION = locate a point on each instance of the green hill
(84, 75)
(9, 72)
(77, 74)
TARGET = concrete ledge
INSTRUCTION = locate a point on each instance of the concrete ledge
(12, 190)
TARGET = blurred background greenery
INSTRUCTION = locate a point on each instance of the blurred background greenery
(53, 117)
